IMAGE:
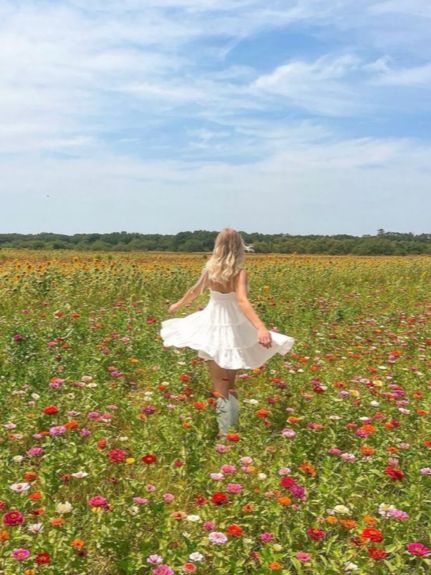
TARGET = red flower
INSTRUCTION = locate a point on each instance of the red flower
(234, 530)
(13, 517)
(184, 377)
(117, 455)
(287, 481)
(200, 500)
(149, 458)
(316, 534)
(372, 534)
(219, 498)
(43, 558)
(102, 443)
(233, 437)
(50, 410)
(394, 473)
(377, 554)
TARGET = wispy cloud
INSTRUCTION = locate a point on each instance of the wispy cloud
(236, 95)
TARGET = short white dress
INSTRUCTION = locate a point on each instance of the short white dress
(222, 332)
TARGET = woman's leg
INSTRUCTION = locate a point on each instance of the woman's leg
(219, 378)
(220, 389)
(233, 398)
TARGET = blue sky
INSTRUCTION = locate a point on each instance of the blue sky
(158, 116)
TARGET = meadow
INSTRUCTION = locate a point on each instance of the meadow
(109, 462)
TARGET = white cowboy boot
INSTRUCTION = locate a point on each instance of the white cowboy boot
(234, 410)
(223, 415)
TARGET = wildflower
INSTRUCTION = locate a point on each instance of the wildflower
(20, 554)
(418, 549)
(217, 537)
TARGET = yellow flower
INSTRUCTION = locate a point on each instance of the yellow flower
(130, 460)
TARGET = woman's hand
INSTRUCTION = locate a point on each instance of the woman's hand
(173, 308)
(264, 337)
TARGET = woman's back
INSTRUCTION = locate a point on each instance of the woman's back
(224, 288)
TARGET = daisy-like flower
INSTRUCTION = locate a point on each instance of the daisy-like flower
(217, 537)
(196, 557)
(20, 487)
(340, 510)
(80, 474)
(65, 507)
(193, 518)
(35, 528)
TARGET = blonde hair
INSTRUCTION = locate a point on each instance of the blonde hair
(227, 257)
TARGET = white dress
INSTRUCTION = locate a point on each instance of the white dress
(222, 332)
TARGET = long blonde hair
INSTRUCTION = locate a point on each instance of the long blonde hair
(227, 257)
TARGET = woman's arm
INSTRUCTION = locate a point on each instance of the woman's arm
(248, 310)
(192, 293)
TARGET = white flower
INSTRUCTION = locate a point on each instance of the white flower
(9, 425)
(17, 458)
(262, 476)
(340, 509)
(193, 518)
(65, 507)
(20, 487)
(87, 378)
(374, 403)
(384, 509)
(251, 401)
(133, 510)
(35, 528)
(349, 566)
(35, 396)
(196, 557)
(91, 385)
(80, 474)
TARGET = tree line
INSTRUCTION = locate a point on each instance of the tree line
(382, 243)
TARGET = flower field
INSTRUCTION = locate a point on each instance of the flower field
(109, 462)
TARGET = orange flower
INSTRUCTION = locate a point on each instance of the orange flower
(275, 566)
(262, 413)
(4, 535)
(370, 520)
(284, 500)
(72, 424)
(367, 428)
(199, 405)
(293, 419)
(35, 496)
(331, 519)
(78, 543)
(30, 475)
(248, 508)
(348, 523)
(57, 521)
(308, 468)
(366, 450)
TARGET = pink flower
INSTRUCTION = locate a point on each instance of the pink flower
(228, 469)
(234, 488)
(209, 525)
(163, 570)
(168, 497)
(140, 500)
(98, 501)
(266, 537)
(217, 537)
(289, 433)
(35, 451)
(21, 554)
(302, 556)
(418, 549)
(57, 430)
